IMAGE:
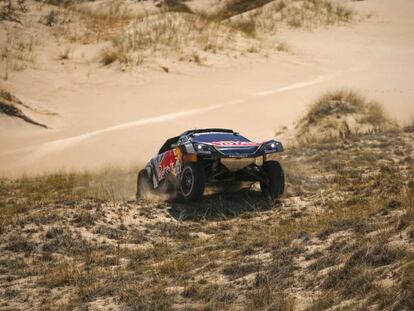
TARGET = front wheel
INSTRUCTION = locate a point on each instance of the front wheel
(192, 182)
(274, 184)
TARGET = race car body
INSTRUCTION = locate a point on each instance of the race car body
(192, 160)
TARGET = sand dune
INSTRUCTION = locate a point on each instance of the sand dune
(340, 237)
(108, 116)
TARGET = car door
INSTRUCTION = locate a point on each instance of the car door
(168, 162)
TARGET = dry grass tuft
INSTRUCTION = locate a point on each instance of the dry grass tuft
(18, 51)
(409, 127)
(267, 297)
(308, 14)
(168, 33)
(230, 8)
(11, 10)
(336, 102)
(154, 298)
(174, 6)
(342, 113)
(64, 188)
(80, 22)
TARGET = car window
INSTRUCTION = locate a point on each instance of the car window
(210, 137)
(168, 144)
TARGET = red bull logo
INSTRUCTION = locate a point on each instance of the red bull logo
(169, 162)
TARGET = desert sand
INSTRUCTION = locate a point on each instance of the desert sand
(104, 116)
(338, 95)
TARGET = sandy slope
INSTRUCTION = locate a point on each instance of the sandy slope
(107, 116)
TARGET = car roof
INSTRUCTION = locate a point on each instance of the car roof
(207, 130)
(173, 140)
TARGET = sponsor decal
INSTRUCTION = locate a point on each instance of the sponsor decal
(234, 143)
(238, 156)
(169, 162)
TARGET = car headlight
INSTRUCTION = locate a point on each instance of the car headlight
(272, 146)
(203, 148)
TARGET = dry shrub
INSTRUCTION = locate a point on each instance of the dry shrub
(245, 25)
(11, 10)
(303, 13)
(89, 24)
(355, 279)
(61, 274)
(174, 6)
(50, 19)
(267, 296)
(325, 261)
(20, 244)
(337, 102)
(151, 297)
(168, 34)
(231, 8)
(375, 254)
(406, 300)
(18, 51)
(85, 280)
(237, 270)
(374, 116)
(342, 113)
(399, 296)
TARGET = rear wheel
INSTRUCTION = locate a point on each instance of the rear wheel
(144, 185)
(192, 182)
(274, 185)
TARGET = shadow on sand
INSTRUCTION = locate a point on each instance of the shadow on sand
(222, 206)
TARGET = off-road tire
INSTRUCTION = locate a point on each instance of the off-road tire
(192, 182)
(144, 184)
(274, 184)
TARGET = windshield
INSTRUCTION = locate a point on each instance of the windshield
(210, 137)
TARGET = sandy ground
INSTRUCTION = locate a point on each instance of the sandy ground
(107, 117)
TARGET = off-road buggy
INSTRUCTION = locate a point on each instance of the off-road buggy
(185, 164)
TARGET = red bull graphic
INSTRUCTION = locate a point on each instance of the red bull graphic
(169, 162)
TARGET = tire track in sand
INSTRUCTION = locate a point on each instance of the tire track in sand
(39, 150)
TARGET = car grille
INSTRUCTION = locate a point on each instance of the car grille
(239, 151)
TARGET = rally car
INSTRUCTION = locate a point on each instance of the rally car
(185, 164)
